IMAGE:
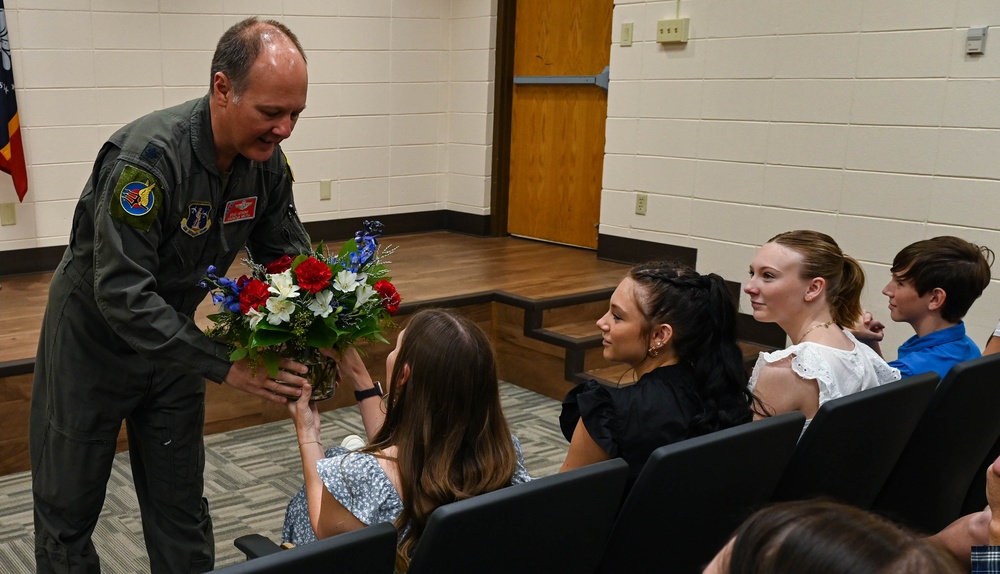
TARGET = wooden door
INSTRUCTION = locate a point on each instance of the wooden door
(557, 131)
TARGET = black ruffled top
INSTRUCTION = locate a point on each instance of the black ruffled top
(632, 421)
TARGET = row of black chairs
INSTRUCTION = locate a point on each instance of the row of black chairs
(915, 451)
(911, 450)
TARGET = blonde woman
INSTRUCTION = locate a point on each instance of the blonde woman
(802, 281)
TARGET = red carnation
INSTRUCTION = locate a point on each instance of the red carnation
(279, 265)
(253, 296)
(390, 297)
(313, 275)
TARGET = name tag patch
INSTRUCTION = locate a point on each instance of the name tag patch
(240, 210)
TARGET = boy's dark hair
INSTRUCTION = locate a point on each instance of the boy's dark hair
(960, 268)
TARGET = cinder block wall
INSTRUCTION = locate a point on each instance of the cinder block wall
(864, 119)
(399, 115)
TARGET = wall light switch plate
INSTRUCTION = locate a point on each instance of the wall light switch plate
(626, 39)
(672, 31)
(324, 190)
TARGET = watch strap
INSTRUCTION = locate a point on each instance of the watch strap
(375, 391)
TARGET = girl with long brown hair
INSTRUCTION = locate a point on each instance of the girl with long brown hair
(441, 437)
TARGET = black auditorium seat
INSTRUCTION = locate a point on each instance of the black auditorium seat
(853, 442)
(557, 523)
(948, 450)
(692, 494)
(371, 550)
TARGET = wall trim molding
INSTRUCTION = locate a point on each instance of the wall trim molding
(632, 251)
(400, 223)
(33, 260)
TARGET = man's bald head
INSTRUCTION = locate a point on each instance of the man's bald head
(240, 46)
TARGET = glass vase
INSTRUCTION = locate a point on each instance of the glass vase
(322, 373)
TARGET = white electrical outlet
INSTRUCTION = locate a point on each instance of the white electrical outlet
(641, 202)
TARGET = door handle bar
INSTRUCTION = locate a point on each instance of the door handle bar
(599, 80)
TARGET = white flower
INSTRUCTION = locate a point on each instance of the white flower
(346, 281)
(320, 306)
(280, 310)
(282, 285)
(255, 317)
(364, 293)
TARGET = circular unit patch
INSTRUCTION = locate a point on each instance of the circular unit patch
(138, 198)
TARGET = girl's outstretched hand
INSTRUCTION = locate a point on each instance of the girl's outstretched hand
(305, 416)
(350, 368)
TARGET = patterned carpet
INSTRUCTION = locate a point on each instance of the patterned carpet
(249, 476)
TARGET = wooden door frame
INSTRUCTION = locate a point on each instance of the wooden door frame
(503, 98)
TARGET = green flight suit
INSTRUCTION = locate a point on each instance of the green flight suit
(118, 341)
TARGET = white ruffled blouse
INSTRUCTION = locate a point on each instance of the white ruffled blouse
(838, 372)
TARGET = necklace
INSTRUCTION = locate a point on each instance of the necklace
(618, 385)
(813, 328)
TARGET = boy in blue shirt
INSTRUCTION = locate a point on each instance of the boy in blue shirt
(934, 283)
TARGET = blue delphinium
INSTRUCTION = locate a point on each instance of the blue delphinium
(228, 293)
(367, 241)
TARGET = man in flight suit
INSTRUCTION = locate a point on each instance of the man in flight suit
(170, 194)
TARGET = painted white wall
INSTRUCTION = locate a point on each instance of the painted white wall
(863, 119)
(860, 118)
(399, 113)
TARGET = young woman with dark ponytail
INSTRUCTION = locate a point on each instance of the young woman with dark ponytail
(802, 281)
(676, 328)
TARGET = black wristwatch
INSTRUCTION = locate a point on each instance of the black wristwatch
(375, 391)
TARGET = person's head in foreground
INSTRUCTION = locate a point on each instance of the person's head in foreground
(824, 537)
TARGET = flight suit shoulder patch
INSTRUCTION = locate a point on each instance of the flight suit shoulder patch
(137, 198)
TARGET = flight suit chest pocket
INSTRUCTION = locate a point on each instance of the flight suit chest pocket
(188, 233)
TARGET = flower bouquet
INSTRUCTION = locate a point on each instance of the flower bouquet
(296, 305)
